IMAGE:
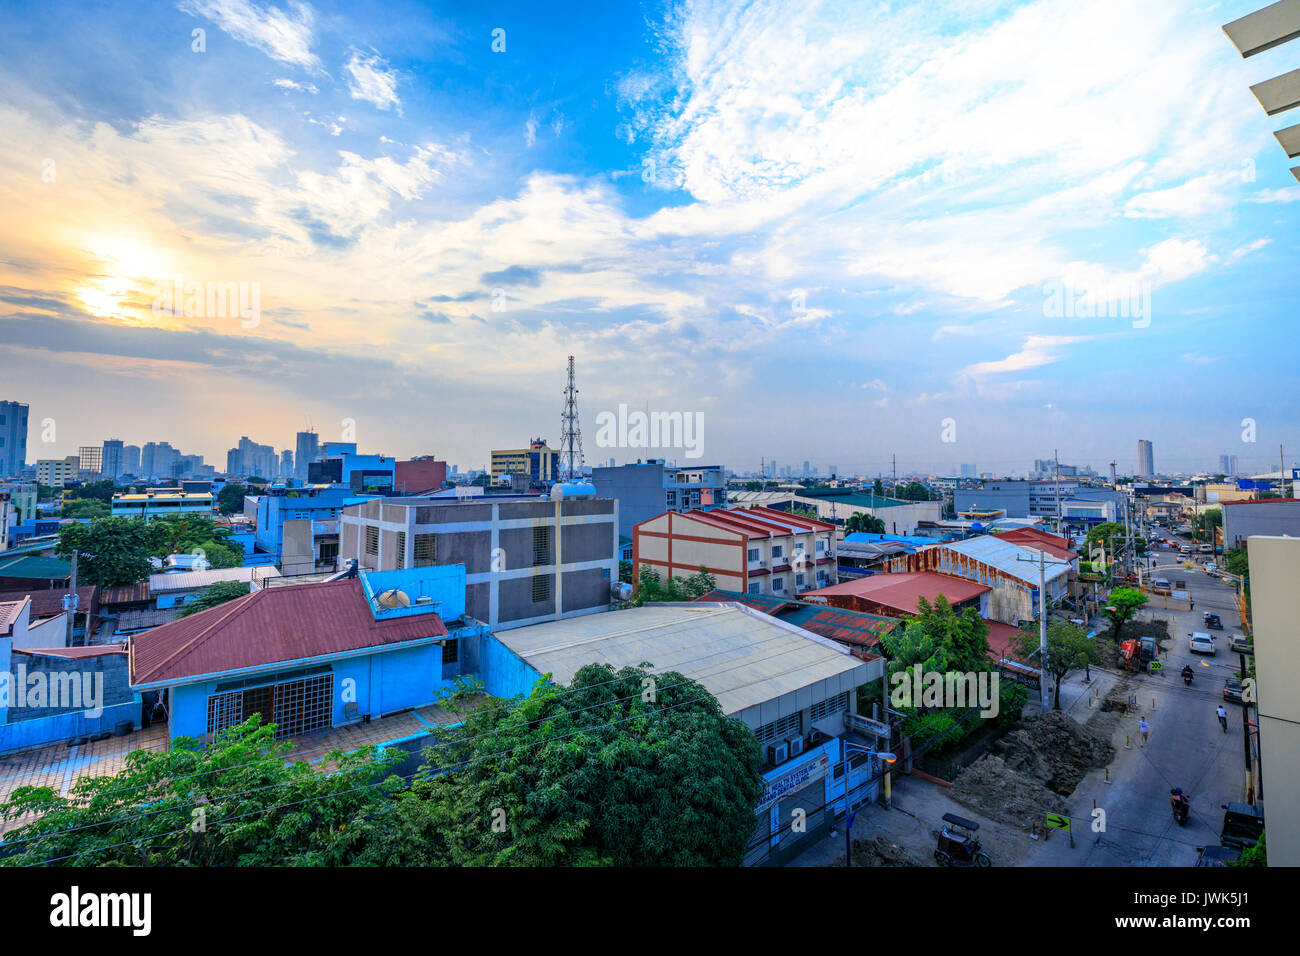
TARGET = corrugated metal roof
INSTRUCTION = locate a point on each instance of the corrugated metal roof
(186, 580)
(33, 566)
(74, 653)
(48, 602)
(271, 626)
(1006, 556)
(903, 590)
(743, 657)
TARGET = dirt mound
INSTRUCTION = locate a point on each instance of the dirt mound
(996, 790)
(1055, 749)
(879, 852)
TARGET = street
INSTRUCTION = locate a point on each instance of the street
(1187, 748)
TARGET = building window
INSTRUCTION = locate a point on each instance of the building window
(755, 554)
(426, 550)
(372, 540)
(830, 706)
(798, 580)
(541, 546)
(401, 549)
(789, 726)
(778, 584)
(777, 551)
(541, 588)
(450, 651)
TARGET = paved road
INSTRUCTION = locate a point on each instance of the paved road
(1187, 749)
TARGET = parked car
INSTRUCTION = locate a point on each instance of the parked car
(1212, 621)
(1232, 690)
(1240, 645)
(1200, 643)
(1242, 825)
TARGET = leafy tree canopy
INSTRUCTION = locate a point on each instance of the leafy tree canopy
(213, 595)
(652, 588)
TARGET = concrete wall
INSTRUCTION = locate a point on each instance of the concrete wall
(1275, 604)
(1273, 518)
(638, 488)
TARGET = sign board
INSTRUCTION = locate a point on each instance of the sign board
(1058, 822)
(794, 780)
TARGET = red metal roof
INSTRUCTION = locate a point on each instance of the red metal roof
(1259, 501)
(1052, 544)
(48, 602)
(271, 626)
(73, 653)
(760, 522)
(904, 590)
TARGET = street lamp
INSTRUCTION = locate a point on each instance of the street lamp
(849, 815)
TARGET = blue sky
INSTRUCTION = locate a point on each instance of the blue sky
(832, 229)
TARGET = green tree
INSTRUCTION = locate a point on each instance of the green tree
(102, 491)
(230, 499)
(1068, 649)
(257, 808)
(860, 521)
(1122, 605)
(626, 768)
(878, 488)
(1236, 561)
(651, 587)
(85, 508)
(111, 551)
(213, 595)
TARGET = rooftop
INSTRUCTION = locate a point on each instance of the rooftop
(272, 626)
(904, 590)
(186, 580)
(1012, 559)
(846, 627)
(745, 658)
(34, 566)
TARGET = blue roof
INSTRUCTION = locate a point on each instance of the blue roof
(862, 537)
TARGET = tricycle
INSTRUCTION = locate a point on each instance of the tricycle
(958, 845)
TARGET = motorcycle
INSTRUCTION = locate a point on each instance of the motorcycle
(1179, 805)
(1188, 674)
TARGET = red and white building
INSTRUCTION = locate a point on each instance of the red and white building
(751, 550)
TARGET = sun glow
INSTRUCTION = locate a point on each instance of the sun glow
(126, 273)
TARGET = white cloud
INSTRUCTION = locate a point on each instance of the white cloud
(371, 79)
(281, 35)
(1038, 350)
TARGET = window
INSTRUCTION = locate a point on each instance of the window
(450, 651)
(789, 726)
(798, 580)
(756, 588)
(821, 545)
(777, 551)
(541, 588)
(426, 550)
(401, 549)
(831, 705)
(372, 540)
(541, 546)
(778, 584)
(755, 554)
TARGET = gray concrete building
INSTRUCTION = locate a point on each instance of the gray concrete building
(13, 438)
(650, 488)
(1032, 499)
(528, 559)
(1276, 517)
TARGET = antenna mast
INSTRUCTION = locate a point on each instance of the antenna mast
(571, 437)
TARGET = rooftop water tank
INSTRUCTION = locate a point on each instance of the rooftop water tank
(572, 489)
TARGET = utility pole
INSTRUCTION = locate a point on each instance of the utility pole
(1056, 485)
(70, 603)
(1042, 632)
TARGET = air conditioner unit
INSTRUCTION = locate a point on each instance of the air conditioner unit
(796, 746)
(778, 753)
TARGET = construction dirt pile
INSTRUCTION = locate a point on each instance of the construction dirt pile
(879, 852)
(995, 790)
(1029, 770)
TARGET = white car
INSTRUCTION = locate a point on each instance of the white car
(1201, 643)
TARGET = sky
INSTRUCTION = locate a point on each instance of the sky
(950, 232)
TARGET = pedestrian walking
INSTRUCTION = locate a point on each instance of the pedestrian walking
(1144, 729)
(1223, 718)
(1191, 605)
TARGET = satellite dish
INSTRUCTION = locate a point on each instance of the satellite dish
(393, 598)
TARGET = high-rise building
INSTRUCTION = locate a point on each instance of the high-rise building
(13, 438)
(967, 471)
(56, 472)
(157, 459)
(130, 460)
(1146, 460)
(251, 459)
(91, 458)
(307, 450)
(286, 464)
(111, 458)
(1228, 465)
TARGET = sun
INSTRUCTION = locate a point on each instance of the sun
(125, 271)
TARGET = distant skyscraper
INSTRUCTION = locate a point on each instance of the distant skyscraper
(13, 437)
(1228, 465)
(91, 458)
(286, 464)
(1146, 460)
(968, 471)
(131, 460)
(805, 469)
(111, 454)
(157, 459)
(307, 450)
